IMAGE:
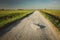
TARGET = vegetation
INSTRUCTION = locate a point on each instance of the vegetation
(53, 16)
(8, 16)
(53, 12)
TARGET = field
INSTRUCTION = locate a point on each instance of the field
(53, 12)
(8, 16)
(53, 16)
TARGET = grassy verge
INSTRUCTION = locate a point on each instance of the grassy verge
(53, 12)
(54, 19)
(12, 15)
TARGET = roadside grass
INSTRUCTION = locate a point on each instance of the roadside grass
(8, 16)
(53, 12)
(53, 18)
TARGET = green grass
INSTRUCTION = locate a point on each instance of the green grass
(12, 15)
(53, 18)
(53, 12)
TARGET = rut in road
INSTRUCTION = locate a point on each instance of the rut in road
(30, 28)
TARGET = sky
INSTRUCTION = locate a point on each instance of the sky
(30, 4)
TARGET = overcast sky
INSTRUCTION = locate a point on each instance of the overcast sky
(30, 4)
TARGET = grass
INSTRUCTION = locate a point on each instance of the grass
(8, 16)
(53, 16)
(53, 12)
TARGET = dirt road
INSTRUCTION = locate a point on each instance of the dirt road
(32, 27)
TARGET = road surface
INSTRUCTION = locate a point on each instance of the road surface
(32, 27)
